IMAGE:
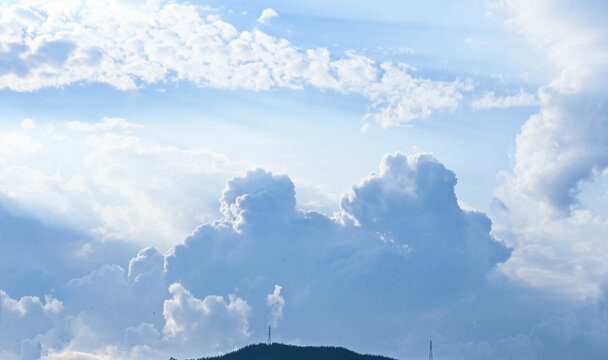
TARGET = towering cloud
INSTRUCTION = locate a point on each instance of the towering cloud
(399, 252)
(560, 151)
(400, 243)
(394, 232)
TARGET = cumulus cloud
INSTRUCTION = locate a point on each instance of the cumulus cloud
(109, 314)
(263, 240)
(29, 304)
(412, 187)
(559, 151)
(490, 101)
(209, 322)
(560, 146)
(148, 264)
(396, 230)
(267, 15)
(276, 303)
(23, 317)
(401, 254)
(258, 198)
(71, 339)
(156, 42)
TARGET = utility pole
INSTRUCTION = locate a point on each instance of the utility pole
(431, 350)
(269, 341)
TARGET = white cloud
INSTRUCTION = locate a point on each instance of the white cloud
(263, 235)
(105, 125)
(210, 323)
(115, 184)
(18, 143)
(28, 124)
(267, 15)
(400, 97)
(572, 36)
(400, 232)
(558, 152)
(276, 303)
(558, 148)
(402, 255)
(28, 305)
(26, 317)
(561, 146)
(147, 263)
(73, 339)
(390, 218)
(155, 42)
(489, 101)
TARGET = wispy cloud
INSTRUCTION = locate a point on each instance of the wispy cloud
(104, 125)
(490, 101)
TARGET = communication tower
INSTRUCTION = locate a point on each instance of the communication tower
(269, 341)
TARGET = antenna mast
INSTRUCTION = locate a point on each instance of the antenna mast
(431, 350)
(269, 341)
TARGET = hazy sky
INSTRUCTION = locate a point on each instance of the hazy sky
(177, 175)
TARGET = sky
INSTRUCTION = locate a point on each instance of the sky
(176, 176)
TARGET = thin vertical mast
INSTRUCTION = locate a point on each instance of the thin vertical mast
(269, 340)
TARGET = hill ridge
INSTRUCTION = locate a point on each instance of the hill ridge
(278, 351)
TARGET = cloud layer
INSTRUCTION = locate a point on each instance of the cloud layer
(53, 44)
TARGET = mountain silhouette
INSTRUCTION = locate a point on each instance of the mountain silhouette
(291, 352)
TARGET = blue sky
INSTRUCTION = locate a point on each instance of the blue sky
(176, 175)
